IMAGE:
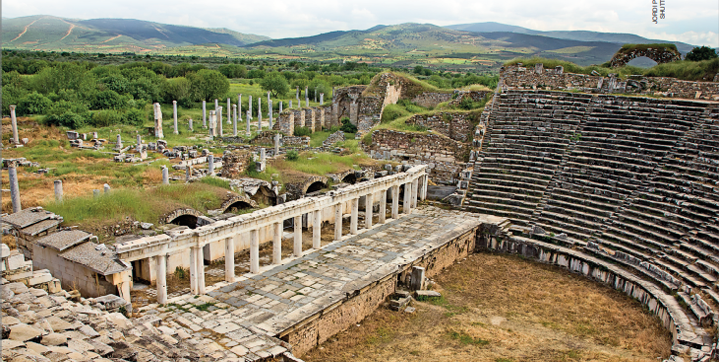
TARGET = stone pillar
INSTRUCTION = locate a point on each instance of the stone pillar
(322, 98)
(213, 123)
(13, 120)
(174, 117)
(193, 271)
(211, 165)
(188, 173)
(269, 105)
(354, 215)
(234, 125)
(281, 106)
(158, 121)
(417, 278)
(395, 202)
(297, 95)
(239, 106)
(425, 183)
(230, 260)
(406, 205)
(298, 236)
(106, 188)
(277, 243)
(218, 121)
(383, 207)
(315, 99)
(165, 176)
(118, 144)
(307, 96)
(58, 190)
(139, 139)
(217, 104)
(322, 118)
(161, 278)
(190, 127)
(290, 104)
(338, 222)
(317, 229)
(259, 114)
(277, 144)
(200, 270)
(95, 193)
(248, 123)
(413, 200)
(249, 107)
(229, 111)
(204, 114)
(369, 201)
(254, 252)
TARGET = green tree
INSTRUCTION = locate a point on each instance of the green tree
(208, 84)
(34, 103)
(701, 53)
(178, 89)
(276, 84)
(321, 86)
(233, 71)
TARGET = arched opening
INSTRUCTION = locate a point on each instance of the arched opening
(315, 186)
(238, 207)
(265, 196)
(642, 62)
(185, 220)
(350, 178)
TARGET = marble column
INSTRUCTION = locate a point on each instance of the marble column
(229, 113)
(269, 105)
(259, 114)
(211, 165)
(277, 243)
(165, 176)
(204, 114)
(248, 123)
(369, 201)
(13, 121)
(395, 202)
(193, 271)
(219, 121)
(161, 278)
(254, 252)
(383, 207)
(407, 204)
(174, 117)
(317, 229)
(353, 216)
(58, 190)
(234, 125)
(425, 184)
(230, 260)
(200, 270)
(413, 197)
(338, 222)
(14, 188)
(298, 236)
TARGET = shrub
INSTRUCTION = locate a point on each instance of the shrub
(68, 119)
(292, 155)
(701, 53)
(302, 131)
(347, 126)
(106, 118)
(135, 117)
(108, 99)
(34, 103)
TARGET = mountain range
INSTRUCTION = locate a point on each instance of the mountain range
(465, 45)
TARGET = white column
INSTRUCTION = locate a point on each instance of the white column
(383, 207)
(254, 252)
(407, 194)
(14, 188)
(193, 270)
(200, 271)
(395, 202)
(338, 222)
(425, 183)
(298, 236)
(234, 125)
(317, 229)
(13, 120)
(161, 265)
(174, 117)
(353, 217)
(277, 243)
(204, 114)
(230, 259)
(229, 111)
(369, 201)
(413, 200)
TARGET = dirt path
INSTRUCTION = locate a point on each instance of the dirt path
(501, 309)
(24, 30)
(72, 26)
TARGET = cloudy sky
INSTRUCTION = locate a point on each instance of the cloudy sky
(694, 22)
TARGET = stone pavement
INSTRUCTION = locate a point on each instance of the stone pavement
(245, 316)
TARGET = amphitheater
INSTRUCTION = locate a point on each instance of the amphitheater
(623, 189)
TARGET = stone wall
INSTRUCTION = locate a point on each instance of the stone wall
(296, 141)
(444, 157)
(518, 77)
(264, 138)
(457, 126)
(659, 55)
(476, 96)
(431, 100)
(234, 163)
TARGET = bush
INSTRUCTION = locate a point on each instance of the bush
(106, 118)
(348, 127)
(701, 53)
(68, 119)
(108, 99)
(302, 131)
(135, 117)
(292, 155)
(34, 103)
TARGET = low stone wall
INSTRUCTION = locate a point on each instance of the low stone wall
(234, 163)
(431, 100)
(444, 157)
(476, 96)
(338, 136)
(296, 141)
(457, 126)
(517, 77)
(264, 138)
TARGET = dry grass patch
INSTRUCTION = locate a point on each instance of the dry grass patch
(502, 308)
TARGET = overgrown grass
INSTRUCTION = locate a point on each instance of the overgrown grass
(217, 182)
(467, 339)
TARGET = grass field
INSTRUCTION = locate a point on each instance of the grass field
(502, 308)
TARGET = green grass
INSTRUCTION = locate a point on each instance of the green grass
(217, 182)
(467, 339)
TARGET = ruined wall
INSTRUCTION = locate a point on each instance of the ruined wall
(234, 163)
(431, 100)
(457, 126)
(265, 138)
(444, 157)
(296, 141)
(285, 123)
(72, 275)
(518, 77)
(659, 55)
(476, 96)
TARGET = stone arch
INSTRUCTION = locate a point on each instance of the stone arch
(238, 201)
(314, 183)
(348, 176)
(183, 217)
(659, 54)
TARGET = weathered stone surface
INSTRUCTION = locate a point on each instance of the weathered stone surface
(24, 332)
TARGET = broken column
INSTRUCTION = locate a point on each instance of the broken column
(190, 125)
(417, 278)
(213, 132)
(290, 104)
(277, 144)
(165, 176)
(13, 120)
(249, 106)
(188, 173)
(297, 94)
(58, 190)
(218, 121)
(106, 188)
(234, 125)
(139, 139)
(322, 98)
(247, 117)
(281, 106)
(261, 165)
(95, 193)
(239, 106)
(210, 165)
(269, 105)
(204, 113)
(118, 144)
(174, 117)
(158, 121)
(307, 96)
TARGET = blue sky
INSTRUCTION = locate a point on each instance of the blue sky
(695, 22)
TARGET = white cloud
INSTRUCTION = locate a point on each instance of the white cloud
(292, 18)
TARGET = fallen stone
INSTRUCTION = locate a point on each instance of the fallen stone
(54, 339)
(409, 310)
(427, 294)
(10, 344)
(24, 332)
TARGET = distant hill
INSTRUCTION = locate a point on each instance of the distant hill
(580, 35)
(110, 35)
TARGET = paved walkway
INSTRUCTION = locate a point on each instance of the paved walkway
(242, 316)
